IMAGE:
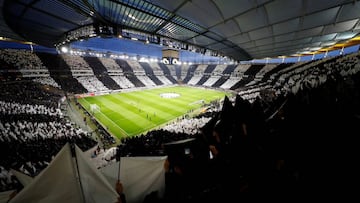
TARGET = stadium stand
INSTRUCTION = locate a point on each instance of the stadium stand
(257, 123)
(215, 75)
(129, 73)
(248, 76)
(285, 131)
(190, 73)
(207, 73)
(101, 73)
(61, 73)
(168, 74)
(150, 73)
(225, 75)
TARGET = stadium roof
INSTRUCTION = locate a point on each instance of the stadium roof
(242, 30)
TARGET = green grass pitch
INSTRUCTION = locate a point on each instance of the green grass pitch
(132, 113)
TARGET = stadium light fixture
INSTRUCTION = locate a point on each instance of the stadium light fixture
(64, 49)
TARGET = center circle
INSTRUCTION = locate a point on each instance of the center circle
(169, 95)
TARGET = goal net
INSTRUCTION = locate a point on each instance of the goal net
(94, 108)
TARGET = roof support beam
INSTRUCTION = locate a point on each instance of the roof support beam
(43, 11)
(92, 9)
(172, 17)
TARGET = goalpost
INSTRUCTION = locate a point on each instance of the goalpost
(94, 108)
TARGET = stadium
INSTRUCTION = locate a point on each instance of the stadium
(154, 101)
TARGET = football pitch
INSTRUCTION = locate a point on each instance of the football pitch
(131, 113)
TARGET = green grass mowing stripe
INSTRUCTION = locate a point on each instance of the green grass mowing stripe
(167, 104)
(157, 115)
(122, 110)
(129, 117)
(157, 104)
(104, 116)
(128, 106)
(146, 126)
(142, 114)
(107, 120)
(181, 101)
(151, 112)
(126, 124)
(182, 104)
(151, 102)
